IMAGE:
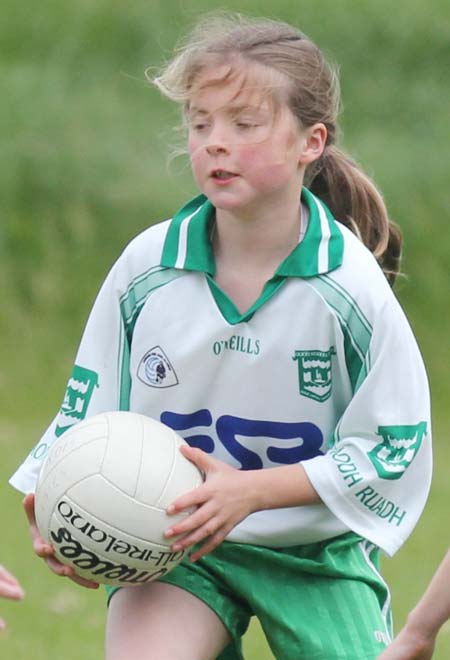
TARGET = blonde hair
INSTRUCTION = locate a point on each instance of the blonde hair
(311, 90)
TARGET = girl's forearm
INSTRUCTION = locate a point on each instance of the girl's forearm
(279, 487)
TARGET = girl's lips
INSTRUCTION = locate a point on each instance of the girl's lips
(223, 176)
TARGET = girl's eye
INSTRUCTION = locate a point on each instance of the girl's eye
(246, 125)
(197, 125)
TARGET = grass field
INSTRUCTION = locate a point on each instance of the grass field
(83, 169)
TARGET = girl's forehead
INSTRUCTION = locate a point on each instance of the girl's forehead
(242, 84)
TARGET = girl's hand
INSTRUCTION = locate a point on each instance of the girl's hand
(409, 645)
(222, 501)
(47, 552)
(9, 588)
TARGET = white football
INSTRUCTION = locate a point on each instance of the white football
(102, 495)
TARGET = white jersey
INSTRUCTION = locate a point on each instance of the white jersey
(323, 369)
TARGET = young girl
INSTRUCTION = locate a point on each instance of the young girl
(259, 324)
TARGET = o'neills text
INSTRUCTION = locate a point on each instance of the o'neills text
(68, 548)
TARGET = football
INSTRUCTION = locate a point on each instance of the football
(102, 495)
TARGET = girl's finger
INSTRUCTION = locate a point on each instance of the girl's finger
(83, 582)
(42, 548)
(191, 499)
(210, 545)
(201, 459)
(59, 568)
(11, 591)
(67, 571)
(191, 539)
(28, 505)
(192, 522)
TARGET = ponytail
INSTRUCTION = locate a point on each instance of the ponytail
(355, 201)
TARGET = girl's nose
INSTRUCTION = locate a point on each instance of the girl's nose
(216, 148)
(218, 140)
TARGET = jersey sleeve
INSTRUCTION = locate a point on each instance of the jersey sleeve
(376, 475)
(99, 381)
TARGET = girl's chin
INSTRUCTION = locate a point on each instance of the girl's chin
(226, 200)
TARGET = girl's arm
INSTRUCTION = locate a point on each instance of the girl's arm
(417, 638)
(9, 588)
(93, 388)
(229, 495)
(376, 472)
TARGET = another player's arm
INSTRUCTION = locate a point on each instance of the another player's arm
(417, 638)
(9, 588)
(46, 551)
(229, 495)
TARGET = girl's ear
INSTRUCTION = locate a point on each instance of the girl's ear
(314, 143)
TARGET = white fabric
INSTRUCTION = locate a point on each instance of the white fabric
(243, 381)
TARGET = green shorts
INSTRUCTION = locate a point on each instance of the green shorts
(322, 601)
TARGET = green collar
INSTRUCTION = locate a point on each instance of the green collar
(188, 247)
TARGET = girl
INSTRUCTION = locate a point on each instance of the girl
(259, 324)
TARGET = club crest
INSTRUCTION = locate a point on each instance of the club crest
(395, 453)
(76, 399)
(155, 369)
(314, 373)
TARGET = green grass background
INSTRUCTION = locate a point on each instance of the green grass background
(84, 148)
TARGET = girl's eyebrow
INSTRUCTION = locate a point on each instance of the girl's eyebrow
(235, 109)
(193, 110)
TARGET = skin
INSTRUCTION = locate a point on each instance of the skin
(9, 588)
(250, 163)
(416, 640)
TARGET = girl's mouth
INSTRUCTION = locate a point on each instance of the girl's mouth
(223, 176)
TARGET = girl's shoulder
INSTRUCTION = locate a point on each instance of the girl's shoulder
(360, 277)
(149, 243)
(144, 251)
(139, 260)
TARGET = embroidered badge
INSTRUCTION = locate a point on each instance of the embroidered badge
(314, 373)
(395, 453)
(155, 369)
(76, 399)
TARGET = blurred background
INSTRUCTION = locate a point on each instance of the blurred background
(84, 145)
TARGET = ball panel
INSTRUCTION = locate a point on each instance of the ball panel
(71, 468)
(119, 510)
(73, 439)
(185, 477)
(124, 450)
(158, 455)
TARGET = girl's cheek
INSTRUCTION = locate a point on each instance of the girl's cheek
(193, 145)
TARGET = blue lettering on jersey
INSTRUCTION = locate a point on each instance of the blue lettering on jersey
(229, 428)
(180, 422)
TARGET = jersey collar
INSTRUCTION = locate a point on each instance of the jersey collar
(188, 247)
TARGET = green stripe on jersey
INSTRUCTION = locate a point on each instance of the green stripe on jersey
(322, 247)
(139, 290)
(187, 242)
(124, 377)
(228, 309)
(131, 303)
(355, 327)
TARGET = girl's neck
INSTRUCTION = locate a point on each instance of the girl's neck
(263, 241)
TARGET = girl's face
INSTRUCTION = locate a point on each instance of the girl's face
(244, 155)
